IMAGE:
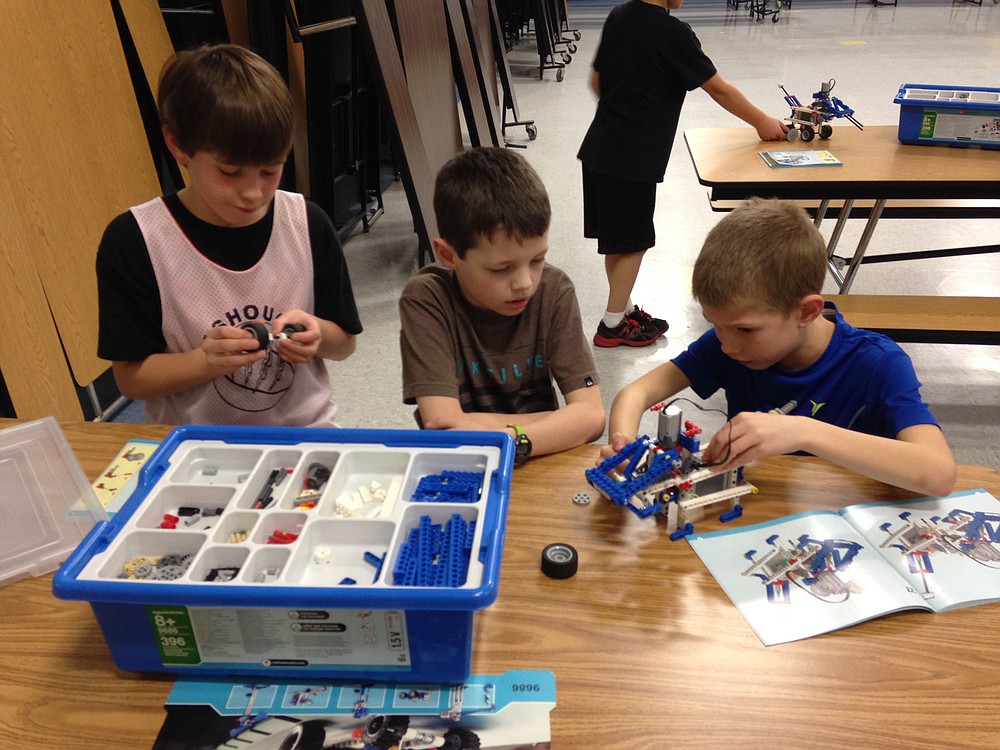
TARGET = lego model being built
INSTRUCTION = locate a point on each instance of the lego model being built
(808, 121)
(667, 476)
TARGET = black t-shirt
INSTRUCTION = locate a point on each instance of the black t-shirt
(647, 61)
(131, 320)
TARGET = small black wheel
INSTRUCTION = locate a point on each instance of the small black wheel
(571, 47)
(578, 36)
(560, 74)
(259, 331)
(532, 132)
(459, 738)
(559, 561)
(774, 18)
(807, 133)
(385, 731)
(567, 58)
(825, 131)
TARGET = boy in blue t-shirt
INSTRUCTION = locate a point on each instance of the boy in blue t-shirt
(775, 341)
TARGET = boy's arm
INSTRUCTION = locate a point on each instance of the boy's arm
(580, 421)
(733, 101)
(918, 459)
(224, 350)
(635, 399)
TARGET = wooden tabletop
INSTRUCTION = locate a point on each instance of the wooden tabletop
(875, 165)
(647, 650)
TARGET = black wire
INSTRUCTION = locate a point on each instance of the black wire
(729, 443)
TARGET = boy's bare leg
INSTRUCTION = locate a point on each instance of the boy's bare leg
(622, 271)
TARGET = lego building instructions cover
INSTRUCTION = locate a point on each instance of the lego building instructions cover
(819, 571)
(487, 712)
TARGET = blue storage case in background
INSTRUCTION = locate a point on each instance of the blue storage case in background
(949, 115)
(293, 552)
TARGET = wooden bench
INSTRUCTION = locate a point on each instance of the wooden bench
(920, 319)
(971, 208)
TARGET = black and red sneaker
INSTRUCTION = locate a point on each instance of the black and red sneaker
(643, 318)
(626, 333)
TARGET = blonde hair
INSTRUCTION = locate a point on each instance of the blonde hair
(766, 254)
(227, 100)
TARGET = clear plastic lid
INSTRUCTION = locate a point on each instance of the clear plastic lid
(47, 505)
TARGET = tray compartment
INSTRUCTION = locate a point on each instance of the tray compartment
(266, 565)
(215, 465)
(436, 547)
(274, 528)
(330, 552)
(446, 477)
(152, 545)
(270, 481)
(219, 564)
(235, 527)
(307, 487)
(172, 499)
(360, 472)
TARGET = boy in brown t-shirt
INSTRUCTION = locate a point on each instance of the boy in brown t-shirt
(487, 329)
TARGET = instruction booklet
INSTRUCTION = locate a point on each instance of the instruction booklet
(800, 158)
(486, 712)
(822, 570)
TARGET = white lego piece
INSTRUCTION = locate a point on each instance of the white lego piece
(391, 494)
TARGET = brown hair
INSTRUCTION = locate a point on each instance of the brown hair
(227, 100)
(485, 190)
(766, 254)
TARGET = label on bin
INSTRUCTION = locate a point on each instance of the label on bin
(174, 635)
(281, 637)
(960, 126)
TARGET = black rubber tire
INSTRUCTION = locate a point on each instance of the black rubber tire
(559, 561)
(259, 331)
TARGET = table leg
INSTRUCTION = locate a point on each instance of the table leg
(831, 247)
(859, 252)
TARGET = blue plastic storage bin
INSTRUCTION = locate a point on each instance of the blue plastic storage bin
(932, 115)
(301, 553)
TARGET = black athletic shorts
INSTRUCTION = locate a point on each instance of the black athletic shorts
(618, 213)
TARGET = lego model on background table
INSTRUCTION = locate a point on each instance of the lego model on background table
(330, 553)
(818, 571)
(808, 121)
(938, 182)
(485, 712)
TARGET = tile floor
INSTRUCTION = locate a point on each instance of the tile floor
(870, 51)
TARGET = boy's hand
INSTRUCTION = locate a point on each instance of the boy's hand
(227, 349)
(300, 346)
(618, 441)
(752, 435)
(771, 129)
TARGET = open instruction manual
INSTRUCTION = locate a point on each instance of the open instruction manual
(487, 712)
(822, 570)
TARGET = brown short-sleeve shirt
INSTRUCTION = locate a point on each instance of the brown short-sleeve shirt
(490, 362)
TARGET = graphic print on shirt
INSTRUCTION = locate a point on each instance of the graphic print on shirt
(261, 385)
(519, 386)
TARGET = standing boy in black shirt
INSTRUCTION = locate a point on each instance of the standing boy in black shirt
(646, 62)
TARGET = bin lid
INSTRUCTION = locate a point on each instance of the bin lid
(47, 505)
